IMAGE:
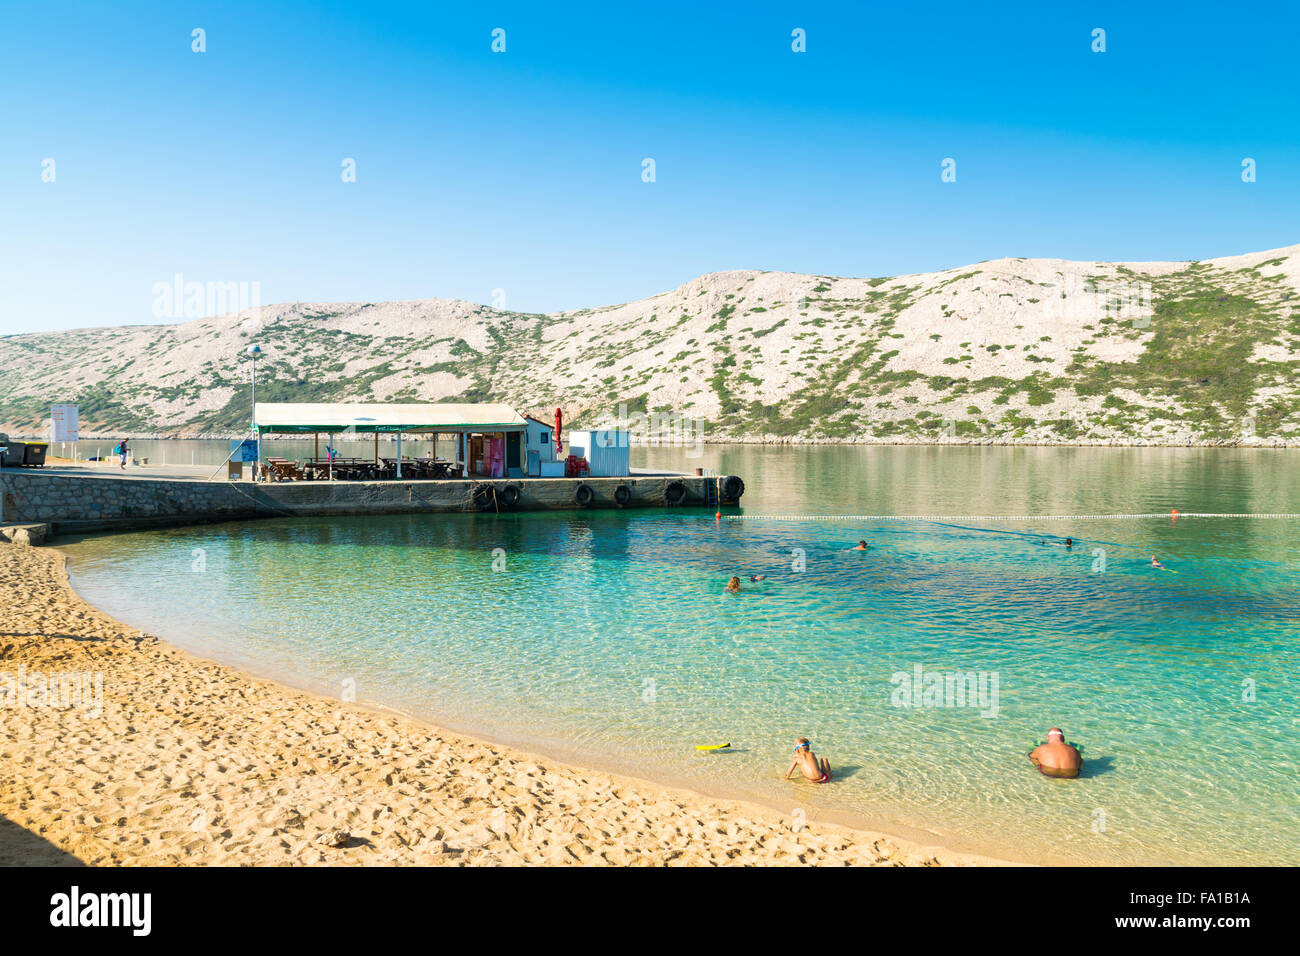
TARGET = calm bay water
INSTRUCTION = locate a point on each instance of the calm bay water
(607, 639)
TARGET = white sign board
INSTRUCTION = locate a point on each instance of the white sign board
(63, 423)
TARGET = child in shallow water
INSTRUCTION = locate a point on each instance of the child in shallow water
(818, 771)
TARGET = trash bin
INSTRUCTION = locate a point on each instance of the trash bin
(14, 452)
(34, 456)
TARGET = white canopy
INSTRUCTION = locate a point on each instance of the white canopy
(372, 417)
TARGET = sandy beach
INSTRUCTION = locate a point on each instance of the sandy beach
(168, 759)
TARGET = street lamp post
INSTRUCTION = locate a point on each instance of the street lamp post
(255, 351)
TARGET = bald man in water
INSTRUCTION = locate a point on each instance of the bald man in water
(1056, 758)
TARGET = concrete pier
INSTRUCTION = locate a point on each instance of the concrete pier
(78, 504)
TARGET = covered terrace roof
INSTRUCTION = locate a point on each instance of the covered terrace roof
(366, 418)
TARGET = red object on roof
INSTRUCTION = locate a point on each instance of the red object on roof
(559, 418)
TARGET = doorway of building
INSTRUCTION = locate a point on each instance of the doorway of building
(512, 452)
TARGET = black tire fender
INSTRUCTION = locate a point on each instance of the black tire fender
(675, 492)
(622, 495)
(583, 495)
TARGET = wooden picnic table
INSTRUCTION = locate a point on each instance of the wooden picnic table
(366, 469)
(281, 469)
(426, 468)
(344, 469)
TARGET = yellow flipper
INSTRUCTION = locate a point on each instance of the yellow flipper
(712, 746)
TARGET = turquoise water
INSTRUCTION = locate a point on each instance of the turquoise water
(606, 638)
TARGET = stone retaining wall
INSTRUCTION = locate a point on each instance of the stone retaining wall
(77, 504)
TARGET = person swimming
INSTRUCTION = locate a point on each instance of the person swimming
(755, 578)
(1155, 563)
(1056, 758)
(818, 771)
(861, 546)
(733, 585)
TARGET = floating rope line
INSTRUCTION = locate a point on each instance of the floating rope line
(1130, 517)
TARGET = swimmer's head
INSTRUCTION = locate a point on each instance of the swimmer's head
(862, 544)
(734, 583)
(801, 743)
(1069, 542)
(1055, 734)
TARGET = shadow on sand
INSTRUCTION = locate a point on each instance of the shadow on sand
(21, 847)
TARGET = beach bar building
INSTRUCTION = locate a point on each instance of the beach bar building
(489, 438)
(539, 450)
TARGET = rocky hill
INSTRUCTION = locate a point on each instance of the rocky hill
(1016, 350)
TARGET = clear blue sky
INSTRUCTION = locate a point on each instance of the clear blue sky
(522, 170)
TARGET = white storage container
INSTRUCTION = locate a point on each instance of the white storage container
(608, 451)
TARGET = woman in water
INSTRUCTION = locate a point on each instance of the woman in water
(733, 586)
